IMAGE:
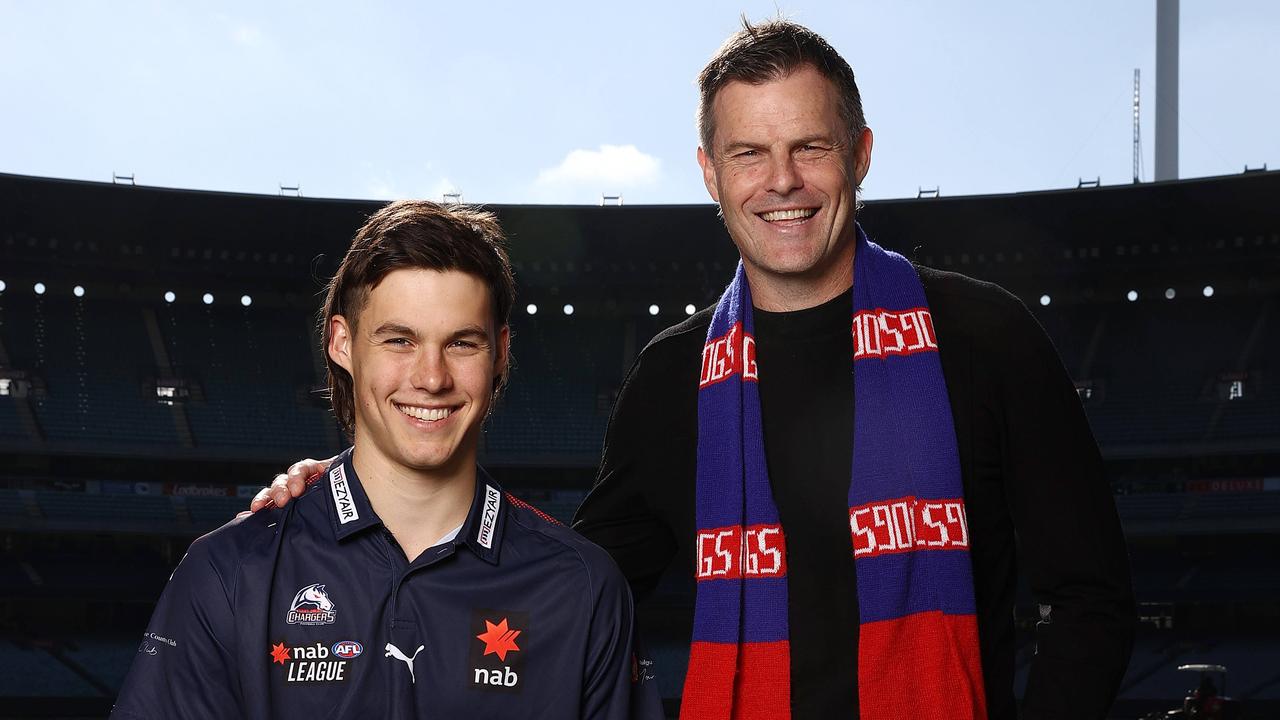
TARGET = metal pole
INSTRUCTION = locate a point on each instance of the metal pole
(1167, 89)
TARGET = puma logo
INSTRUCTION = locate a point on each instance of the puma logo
(393, 651)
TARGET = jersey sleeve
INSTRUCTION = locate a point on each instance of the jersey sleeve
(1069, 534)
(616, 686)
(184, 666)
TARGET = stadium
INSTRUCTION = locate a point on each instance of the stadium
(159, 362)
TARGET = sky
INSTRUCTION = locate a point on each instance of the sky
(519, 102)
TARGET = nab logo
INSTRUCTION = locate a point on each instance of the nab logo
(310, 663)
(497, 654)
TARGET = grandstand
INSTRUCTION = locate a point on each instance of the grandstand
(130, 422)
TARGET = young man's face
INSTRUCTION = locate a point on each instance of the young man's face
(785, 172)
(423, 355)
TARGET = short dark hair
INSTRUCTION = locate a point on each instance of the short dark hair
(772, 50)
(413, 234)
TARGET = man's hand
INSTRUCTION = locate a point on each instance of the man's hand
(288, 485)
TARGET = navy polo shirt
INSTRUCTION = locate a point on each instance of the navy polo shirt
(313, 610)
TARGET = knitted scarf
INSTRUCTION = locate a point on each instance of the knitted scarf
(918, 640)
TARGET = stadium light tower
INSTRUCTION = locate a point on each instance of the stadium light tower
(1166, 90)
(1137, 125)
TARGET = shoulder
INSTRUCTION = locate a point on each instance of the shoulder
(965, 306)
(692, 330)
(680, 343)
(952, 290)
(526, 523)
(669, 359)
(223, 551)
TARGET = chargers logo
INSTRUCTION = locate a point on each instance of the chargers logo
(347, 649)
(311, 606)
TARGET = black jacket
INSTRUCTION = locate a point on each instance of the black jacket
(1033, 481)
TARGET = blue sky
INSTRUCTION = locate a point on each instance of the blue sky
(559, 102)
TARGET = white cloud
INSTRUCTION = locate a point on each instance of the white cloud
(247, 35)
(385, 188)
(443, 185)
(380, 189)
(612, 168)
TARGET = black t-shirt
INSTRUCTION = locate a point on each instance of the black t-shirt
(1031, 471)
(806, 405)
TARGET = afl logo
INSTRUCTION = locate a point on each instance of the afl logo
(347, 649)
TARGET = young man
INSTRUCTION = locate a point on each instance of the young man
(404, 583)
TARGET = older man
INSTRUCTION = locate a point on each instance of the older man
(849, 451)
(851, 503)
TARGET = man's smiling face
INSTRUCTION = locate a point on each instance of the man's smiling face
(423, 356)
(785, 173)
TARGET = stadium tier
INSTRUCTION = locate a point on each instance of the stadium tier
(145, 407)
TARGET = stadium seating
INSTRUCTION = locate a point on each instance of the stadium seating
(95, 559)
(33, 672)
(106, 659)
(1199, 513)
(10, 426)
(251, 369)
(1253, 666)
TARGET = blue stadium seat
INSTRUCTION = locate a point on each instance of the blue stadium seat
(32, 672)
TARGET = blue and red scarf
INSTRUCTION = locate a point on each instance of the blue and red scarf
(918, 651)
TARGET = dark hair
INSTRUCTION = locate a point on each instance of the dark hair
(773, 50)
(413, 234)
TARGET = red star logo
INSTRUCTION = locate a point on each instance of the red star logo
(279, 654)
(499, 639)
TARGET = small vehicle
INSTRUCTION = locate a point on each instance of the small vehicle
(1208, 701)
